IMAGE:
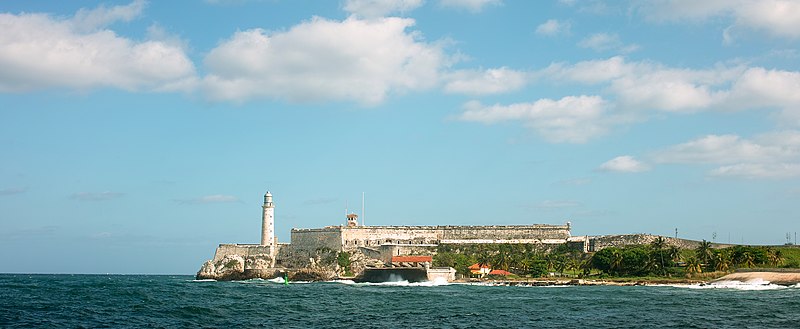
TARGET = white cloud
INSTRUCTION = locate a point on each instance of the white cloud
(553, 27)
(216, 198)
(594, 71)
(38, 51)
(772, 155)
(353, 60)
(471, 5)
(572, 119)
(379, 8)
(775, 17)
(759, 170)
(607, 42)
(96, 196)
(92, 19)
(484, 82)
(722, 149)
(624, 164)
(652, 86)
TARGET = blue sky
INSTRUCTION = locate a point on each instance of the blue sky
(136, 136)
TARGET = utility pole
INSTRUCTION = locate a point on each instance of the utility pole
(676, 232)
(363, 217)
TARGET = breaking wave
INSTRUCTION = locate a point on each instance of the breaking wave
(756, 284)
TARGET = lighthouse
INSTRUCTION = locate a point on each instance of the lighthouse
(268, 222)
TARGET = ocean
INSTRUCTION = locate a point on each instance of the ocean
(132, 301)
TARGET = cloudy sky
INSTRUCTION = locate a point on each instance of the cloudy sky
(135, 136)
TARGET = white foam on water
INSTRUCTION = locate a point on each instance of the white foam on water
(755, 284)
(277, 280)
(402, 283)
(203, 280)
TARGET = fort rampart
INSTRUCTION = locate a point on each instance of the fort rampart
(351, 238)
(596, 243)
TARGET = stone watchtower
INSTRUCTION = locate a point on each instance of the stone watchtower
(268, 222)
(352, 220)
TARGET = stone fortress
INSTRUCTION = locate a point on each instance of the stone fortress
(313, 253)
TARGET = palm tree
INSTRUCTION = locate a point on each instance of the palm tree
(674, 253)
(550, 260)
(502, 259)
(722, 261)
(561, 264)
(572, 265)
(693, 265)
(775, 257)
(703, 252)
(658, 246)
(484, 259)
(659, 243)
(748, 259)
(586, 267)
(616, 261)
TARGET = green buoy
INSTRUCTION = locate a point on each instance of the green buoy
(286, 279)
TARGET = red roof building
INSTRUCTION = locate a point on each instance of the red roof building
(412, 259)
(500, 272)
(478, 269)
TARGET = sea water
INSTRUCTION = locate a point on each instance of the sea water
(93, 301)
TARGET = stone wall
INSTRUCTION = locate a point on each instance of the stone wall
(244, 250)
(311, 239)
(351, 238)
(596, 243)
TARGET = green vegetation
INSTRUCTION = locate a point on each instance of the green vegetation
(654, 260)
(343, 259)
(520, 259)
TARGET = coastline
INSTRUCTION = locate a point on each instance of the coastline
(783, 278)
(762, 276)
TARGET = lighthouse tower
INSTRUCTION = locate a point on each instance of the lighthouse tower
(268, 222)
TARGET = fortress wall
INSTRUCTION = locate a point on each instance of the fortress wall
(510, 232)
(311, 239)
(373, 236)
(389, 250)
(597, 243)
(244, 250)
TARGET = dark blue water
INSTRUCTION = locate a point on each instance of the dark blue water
(93, 301)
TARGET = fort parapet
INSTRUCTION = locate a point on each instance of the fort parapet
(346, 238)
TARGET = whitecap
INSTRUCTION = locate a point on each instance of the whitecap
(277, 280)
(203, 280)
(755, 284)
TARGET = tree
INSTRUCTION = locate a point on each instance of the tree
(775, 257)
(703, 252)
(658, 246)
(748, 259)
(484, 259)
(572, 265)
(502, 259)
(616, 261)
(561, 264)
(722, 261)
(659, 243)
(674, 253)
(693, 265)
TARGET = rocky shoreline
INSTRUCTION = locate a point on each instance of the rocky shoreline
(235, 267)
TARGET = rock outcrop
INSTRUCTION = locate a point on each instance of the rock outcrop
(236, 267)
(312, 274)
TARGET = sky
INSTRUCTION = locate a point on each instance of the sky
(135, 136)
